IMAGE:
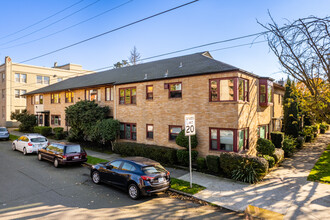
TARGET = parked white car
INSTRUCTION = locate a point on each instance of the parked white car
(30, 143)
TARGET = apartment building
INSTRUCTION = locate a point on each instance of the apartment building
(17, 79)
(232, 107)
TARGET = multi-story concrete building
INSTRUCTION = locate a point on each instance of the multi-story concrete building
(17, 79)
(232, 107)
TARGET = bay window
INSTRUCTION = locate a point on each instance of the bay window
(228, 89)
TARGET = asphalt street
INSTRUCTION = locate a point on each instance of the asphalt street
(32, 189)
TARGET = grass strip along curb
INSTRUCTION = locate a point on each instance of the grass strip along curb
(13, 137)
(94, 160)
(321, 170)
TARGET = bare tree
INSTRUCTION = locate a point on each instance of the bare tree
(135, 56)
(303, 49)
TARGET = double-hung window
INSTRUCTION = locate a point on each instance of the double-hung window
(69, 97)
(23, 91)
(222, 90)
(17, 93)
(222, 139)
(23, 78)
(127, 95)
(175, 90)
(39, 79)
(149, 92)
(243, 89)
(150, 131)
(243, 139)
(174, 131)
(108, 93)
(128, 131)
(56, 120)
(55, 98)
(17, 77)
(265, 92)
(263, 131)
(46, 80)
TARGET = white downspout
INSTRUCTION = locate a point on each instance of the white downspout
(114, 103)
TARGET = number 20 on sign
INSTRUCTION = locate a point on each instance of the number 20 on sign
(189, 125)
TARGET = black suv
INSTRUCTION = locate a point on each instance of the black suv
(63, 153)
(137, 175)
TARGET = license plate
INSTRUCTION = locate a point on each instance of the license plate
(76, 157)
(161, 179)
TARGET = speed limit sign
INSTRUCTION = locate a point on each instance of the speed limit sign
(189, 125)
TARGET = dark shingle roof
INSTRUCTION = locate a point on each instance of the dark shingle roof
(188, 65)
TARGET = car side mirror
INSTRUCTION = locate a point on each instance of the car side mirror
(109, 167)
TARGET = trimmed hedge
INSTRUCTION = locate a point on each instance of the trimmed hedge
(300, 142)
(183, 140)
(277, 139)
(160, 154)
(201, 163)
(230, 161)
(213, 164)
(59, 133)
(43, 130)
(278, 155)
(265, 147)
(289, 146)
(323, 128)
(183, 156)
(308, 133)
(270, 159)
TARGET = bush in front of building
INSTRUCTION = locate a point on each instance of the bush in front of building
(213, 164)
(27, 121)
(105, 131)
(201, 163)
(59, 133)
(183, 140)
(300, 142)
(289, 146)
(265, 147)
(43, 130)
(183, 156)
(243, 167)
(315, 129)
(270, 159)
(277, 139)
(278, 155)
(308, 133)
(164, 155)
(323, 128)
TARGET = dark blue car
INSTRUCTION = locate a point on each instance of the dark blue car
(137, 175)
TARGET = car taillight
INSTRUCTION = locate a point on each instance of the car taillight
(30, 144)
(64, 157)
(147, 178)
(168, 173)
(48, 143)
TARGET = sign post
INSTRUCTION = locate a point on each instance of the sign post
(189, 131)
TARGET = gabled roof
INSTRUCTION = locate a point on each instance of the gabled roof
(188, 65)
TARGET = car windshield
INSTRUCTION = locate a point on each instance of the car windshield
(3, 129)
(39, 139)
(154, 169)
(73, 149)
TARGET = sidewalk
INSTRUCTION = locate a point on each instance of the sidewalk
(285, 190)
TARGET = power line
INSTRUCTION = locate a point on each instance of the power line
(38, 22)
(55, 22)
(98, 15)
(113, 30)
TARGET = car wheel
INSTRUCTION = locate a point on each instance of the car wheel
(24, 151)
(133, 191)
(13, 147)
(39, 156)
(56, 164)
(96, 177)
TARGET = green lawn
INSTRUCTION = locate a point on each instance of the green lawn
(95, 160)
(13, 137)
(321, 170)
(184, 186)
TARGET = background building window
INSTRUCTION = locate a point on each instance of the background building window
(41, 119)
(17, 77)
(150, 92)
(46, 80)
(3, 77)
(174, 131)
(23, 78)
(93, 95)
(222, 139)
(22, 93)
(127, 96)
(109, 94)
(37, 99)
(3, 93)
(175, 90)
(41, 99)
(56, 120)
(69, 97)
(17, 93)
(127, 131)
(39, 79)
(150, 131)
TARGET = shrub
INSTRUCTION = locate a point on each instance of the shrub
(27, 121)
(323, 128)
(213, 164)
(59, 133)
(289, 146)
(277, 139)
(308, 133)
(183, 140)
(300, 142)
(278, 155)
(160, 154)
(245, 172)
(43, 130)
(183, 156)
(201, 163)
(315, 129)
(230, 161)
(270, 159)
(265, 147)
(105, 131)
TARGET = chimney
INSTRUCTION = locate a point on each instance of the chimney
(55, 64)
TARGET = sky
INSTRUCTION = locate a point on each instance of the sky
(26, 25)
